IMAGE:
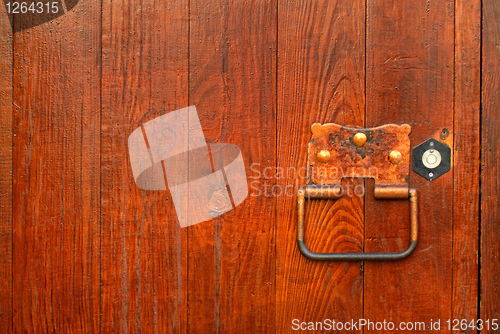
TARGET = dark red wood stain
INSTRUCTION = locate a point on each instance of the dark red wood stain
(144, 75)
(56, 228)
(321, 74)
(232, 65)
(6, 115)
(410, 57)
(466, 162)
(84, 250)
(490, 159)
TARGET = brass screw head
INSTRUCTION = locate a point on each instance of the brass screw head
(359, 139)
(395, 157)
(323, 156)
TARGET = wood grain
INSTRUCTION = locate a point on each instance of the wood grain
(466, 160)
(232, 83)
(206, 92)
(57, 174)
(410, 55)
(321, 73)
(490, 159)
(84, 250)
(6, 114)
(144, 75)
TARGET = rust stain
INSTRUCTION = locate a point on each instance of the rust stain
(444, 134)
(371, 160)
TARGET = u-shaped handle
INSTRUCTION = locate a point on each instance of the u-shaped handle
(330, 192)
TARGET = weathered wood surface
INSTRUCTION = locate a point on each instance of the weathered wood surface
(232, 69)
(5, 172)
(490, 160)
(56, 140)
(466, 170)
(410, 57)
(321, 76)
(83, 249)
(144, 75)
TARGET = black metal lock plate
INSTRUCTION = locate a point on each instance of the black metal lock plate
(431, 159)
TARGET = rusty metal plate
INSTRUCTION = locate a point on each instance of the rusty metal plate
(337, 151)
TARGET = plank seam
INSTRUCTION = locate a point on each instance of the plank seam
(276, 164)
(100, 168)
(12, 187)
(187, 233)
(364, 181)
(453, 156)
(480, 213)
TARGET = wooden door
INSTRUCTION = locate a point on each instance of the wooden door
(84, 250)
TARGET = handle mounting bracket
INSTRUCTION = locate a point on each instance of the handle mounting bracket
(381, 153)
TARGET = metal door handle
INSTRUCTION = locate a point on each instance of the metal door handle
(381, 153)
(329, 192)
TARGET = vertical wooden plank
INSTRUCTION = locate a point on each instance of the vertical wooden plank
(466, 160)
(490, 159)
(247, 267)
(207, 93)
(144, 75)
(5, 172)
(410, 55)
(56, 173)
(232, 83)
(321, 76)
